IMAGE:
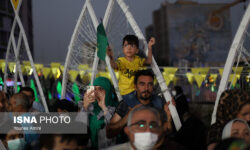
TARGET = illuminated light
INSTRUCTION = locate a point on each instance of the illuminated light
(58, 73)
(59, 89)
(31, 70)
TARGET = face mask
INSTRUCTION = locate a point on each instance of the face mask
(145, 140)
(17, 144)
(174, 93)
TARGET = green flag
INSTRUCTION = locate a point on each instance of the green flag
(102, 42)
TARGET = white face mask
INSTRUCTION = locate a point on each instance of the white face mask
(16, 144)
(145, 140)
(174, 93)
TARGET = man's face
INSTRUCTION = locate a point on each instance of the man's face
(144, 87)
(143, 121)
(65, 145)
(31, 98)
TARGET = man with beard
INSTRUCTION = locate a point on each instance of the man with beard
(144, 82)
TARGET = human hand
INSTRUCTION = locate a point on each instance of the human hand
(109, 52)
(167, 110)
(100, 97)
(151, 42)
(88, 99)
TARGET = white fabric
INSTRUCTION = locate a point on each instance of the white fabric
(226, 133)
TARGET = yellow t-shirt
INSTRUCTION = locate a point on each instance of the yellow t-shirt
(127, 70)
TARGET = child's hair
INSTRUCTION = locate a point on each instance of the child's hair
(132, 40)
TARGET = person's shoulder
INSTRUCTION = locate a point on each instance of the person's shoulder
(124, 146)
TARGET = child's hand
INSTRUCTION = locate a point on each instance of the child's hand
(151, 42)
(109, 52)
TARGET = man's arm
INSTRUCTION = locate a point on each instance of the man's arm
(151, 42)
(116, 124)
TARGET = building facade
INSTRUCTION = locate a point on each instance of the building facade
(187, 36)
(6, 20)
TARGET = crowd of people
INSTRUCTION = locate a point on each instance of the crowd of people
(141, 121)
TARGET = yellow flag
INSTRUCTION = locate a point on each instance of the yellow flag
(73, 74)
(2, 64)
(233, 79)
(12, 66)
(61, 68)
(28, 69)
(15, 3)
(46, 71)
(190, 77)
(221, 71)
(214, 76)
(56, 72)
(200, 74)
(237, 70)
(55, 65)
(169, 74)
(199, 79)
(39, 67)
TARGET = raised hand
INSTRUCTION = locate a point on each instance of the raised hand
(88, 99)
(151, 42)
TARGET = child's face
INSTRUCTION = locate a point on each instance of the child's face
(129, 50)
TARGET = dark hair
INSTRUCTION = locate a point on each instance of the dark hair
(143, 73)
(66, 105)
(28, 89)
(48, 140)
(132, 40)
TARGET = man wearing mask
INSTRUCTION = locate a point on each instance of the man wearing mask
(144, 82)
(144, 130)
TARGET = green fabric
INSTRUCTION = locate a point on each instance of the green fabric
(102, 42)
(33, 86)
(76, 92)
(96, 125)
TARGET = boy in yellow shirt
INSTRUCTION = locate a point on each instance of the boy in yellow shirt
(128, 65)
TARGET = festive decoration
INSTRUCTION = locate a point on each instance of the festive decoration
(169, 74)
(73, 74)
(199, 75)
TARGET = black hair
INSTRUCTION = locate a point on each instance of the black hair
(132, 40)
(48, 140)
(146, 72)
(66, 105)
(28, 89)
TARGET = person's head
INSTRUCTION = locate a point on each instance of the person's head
(244, 112)
(3, 102)
(63, 141)
(103, 85)
(30, 93)
(144, 127)
(237, 128)
(177, 90)
(12, 138)
(144, 83)
(64, 105)
(130, 45)
(19, 103)
(230, 104)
